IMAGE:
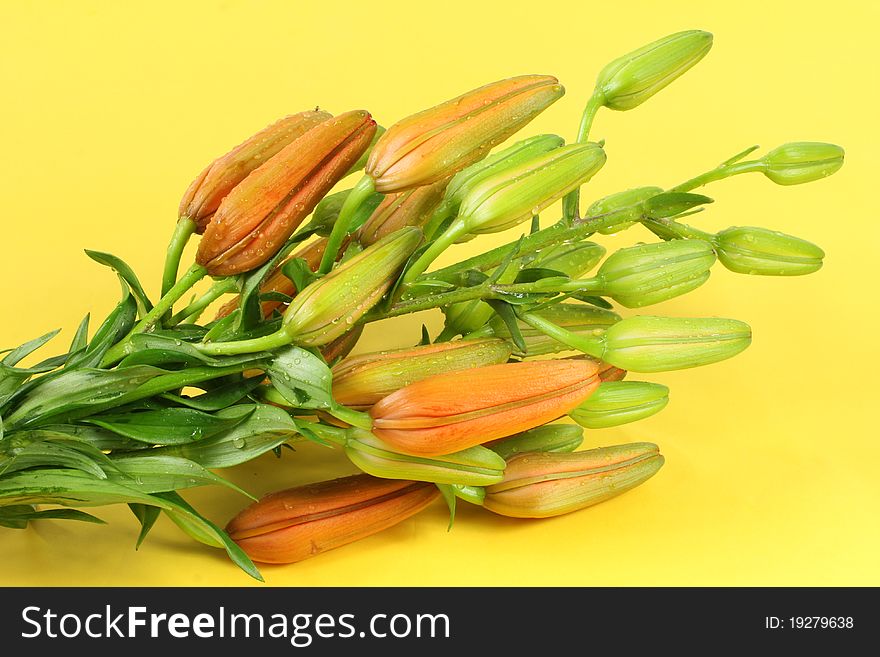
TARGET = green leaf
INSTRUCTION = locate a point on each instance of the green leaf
(146, 516)
(448, 493)
(426, 337)
(49, 453)
(279, 297)
(158, 350)
(81, 337)
(299, 272)
(14, 356)
(220, 397)
(149, 472)
(183, 332)
(533, 274)
(250, 313)
(594, 301)
(266, 428)
(508, 316)
(17, 516)
(508, 259)
(127, 274)
(168, 426)
(94, 438)
(670, 204)
(302, 378)
(76, 389)
(117, 325)
(205, 531)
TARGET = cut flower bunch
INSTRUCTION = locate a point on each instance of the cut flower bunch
(540, 334)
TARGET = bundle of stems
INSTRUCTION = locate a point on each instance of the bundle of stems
(157, 400)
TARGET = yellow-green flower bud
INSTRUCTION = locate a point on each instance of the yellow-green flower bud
(548, 438)
(620, 402)
(330, 306)
(364, 379)
(520, 192)
(660, 344)
(626, 205)
(630, 80)
(578, 319)
(466, 179)
(646, 274)
(749, 250)
(475, 466)
(802, 162)
(541, 484)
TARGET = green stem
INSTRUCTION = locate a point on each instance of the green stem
(182, 232)
(438, 246)
(719, 173)
(335, 435)
(192, 276)
(571, 202)
(588, 344)
(555, 234)
(193, 310)
(433, 301)
(680, 230)
(359, 193)
(553, 285)
(265, 343)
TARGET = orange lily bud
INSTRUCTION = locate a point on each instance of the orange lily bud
(203, 196)
(298, 523)
(437, 142)
(263, 210)
(412, 207)
(450, 412)
(545, 484)
(363, 380)
(278, 282)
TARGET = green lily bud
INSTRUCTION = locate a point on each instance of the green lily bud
(630, 80)
(646, 274)
(620, 402)
(327, 308)
(571, 259)
(475, 466)
(802, 162)
(466, 179)
(660, 344)
(578, 319)
(627, 205)
(749, 250)
(541, 485)
(548, 438)
(518, 193)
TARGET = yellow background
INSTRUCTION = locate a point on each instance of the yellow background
(108, 110)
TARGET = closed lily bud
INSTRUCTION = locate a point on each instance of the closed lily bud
(802, 162)
(660, 344)
(474, 466)
(750, 250)
(255, 219)
(438, 142)
(466, 179)
(450, 412)
(331, 305)
(630, 80)
(646, 274)
(361, 381)
(298, 523)
(518, 193)
(579, 319)
(620, 402)
(549, 438)
(412, 207)
(203, 197)
(542, 485)
(627, 206)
